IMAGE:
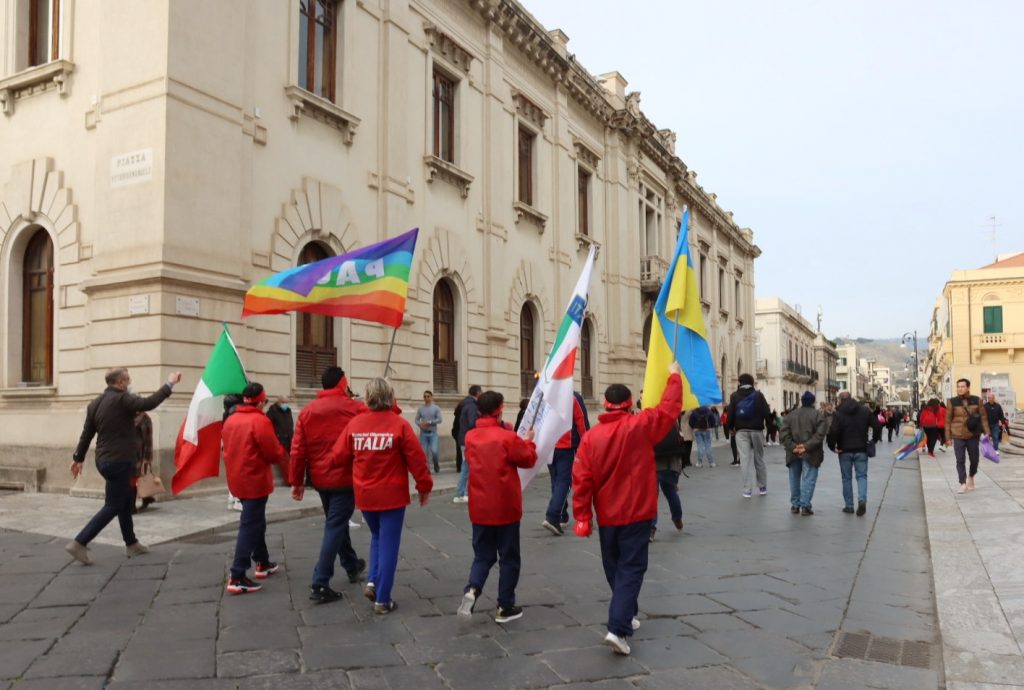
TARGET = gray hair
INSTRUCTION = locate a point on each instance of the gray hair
(379, 394)
(843, 395)
(115, 375)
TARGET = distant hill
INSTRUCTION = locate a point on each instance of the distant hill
(888, 353)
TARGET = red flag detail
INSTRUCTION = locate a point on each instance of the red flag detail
(566, 368)
(195, 462)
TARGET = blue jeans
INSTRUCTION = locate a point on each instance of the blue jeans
(251, 544)
(338, 504)
(847, 463)
(118, 501)
(702, 439)
(997, 435)
(496, 543)
(385, 538)
(802, 478)
(430, 443)
(561, 481)
(463, 485)
(624, 557)
(668, 480)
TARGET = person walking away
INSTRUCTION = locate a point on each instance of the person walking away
(556, 518)
(771, 426)
(748, 412)
(668, 463)
(250, 448)
(996, 419)
(803, 436)
(931, 422)
(848, 437)
(966, 421)
(702, 422)
(427, 419)
(618, 453)
(686, 432)
(320, 424)
(144, 459)
(280, 415)
(382, 450)
(110, 417)
(944, 439)
(522, 412)
(716, 420)
(456, 413)
(467, 420)
(495, 453)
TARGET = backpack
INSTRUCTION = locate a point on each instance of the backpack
(699, 419)
(745, 407)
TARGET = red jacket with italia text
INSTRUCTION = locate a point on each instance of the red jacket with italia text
(614, 468)
(319, 426)
(250, 448)
(493, 453)
(381, 450)
(579, 423)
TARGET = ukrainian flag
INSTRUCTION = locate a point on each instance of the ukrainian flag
(678, 332)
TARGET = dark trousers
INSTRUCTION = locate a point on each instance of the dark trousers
(932, 434)
(339, 504)
(668, 480)
(969, 447)
(496, 543)
(458, 456)
(118, 501)
(624, 556)
(561, 481)
(251, 544)
(892, 430)
(735, 450)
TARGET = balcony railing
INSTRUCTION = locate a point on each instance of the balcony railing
(652, 273)
(761, 367)
(800, 372)
(833, 384)
(998, 341)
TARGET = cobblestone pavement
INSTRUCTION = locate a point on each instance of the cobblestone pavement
(748, 596)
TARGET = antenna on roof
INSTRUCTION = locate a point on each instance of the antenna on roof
(995, 250)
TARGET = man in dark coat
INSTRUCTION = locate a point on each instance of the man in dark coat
(803, 435)
(848, 436)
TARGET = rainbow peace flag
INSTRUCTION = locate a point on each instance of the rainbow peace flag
(369, 283)
(917, 445)
(678, 332)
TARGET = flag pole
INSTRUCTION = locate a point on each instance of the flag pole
(391, 349)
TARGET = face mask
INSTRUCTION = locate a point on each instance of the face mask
(284, 406)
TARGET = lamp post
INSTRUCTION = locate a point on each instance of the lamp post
(903, 343)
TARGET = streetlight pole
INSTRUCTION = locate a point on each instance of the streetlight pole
(917, 367)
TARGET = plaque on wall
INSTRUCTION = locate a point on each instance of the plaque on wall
(187, 306)
(138, 304)
(131, 168)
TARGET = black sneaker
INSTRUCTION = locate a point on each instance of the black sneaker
(555, 529)
(323, 595)
(848, 509)
(509, 614)
(806, 511)
(862, 507)
(242, 585)
(794, 509)
(678, 524)
(734, 463)
(355, 575)
(264, 570)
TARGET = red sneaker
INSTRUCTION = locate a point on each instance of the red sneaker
(242, 585)
(265, 570)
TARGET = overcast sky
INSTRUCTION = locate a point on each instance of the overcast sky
(866, 143)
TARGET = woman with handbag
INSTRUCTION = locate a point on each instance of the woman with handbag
(143, 460)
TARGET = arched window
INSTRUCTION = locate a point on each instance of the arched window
(527, 345)
(314, 335)
(446, 374)
(586, 361)
(37, 311)
(647, 334)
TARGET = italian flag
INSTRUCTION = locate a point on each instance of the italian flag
(549, 412)
(197, 452)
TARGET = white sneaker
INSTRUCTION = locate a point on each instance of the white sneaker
(235, 504)
(353, 525)
(468, 602)
(700, 464)
(460, 499)
(618, 644)
(711, 464)
(636, 623)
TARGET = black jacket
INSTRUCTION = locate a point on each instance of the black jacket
(284, 424)
(759, 414)
(668, 454)
(468, 415)
(850, 426)
(995, 414)
(111, 418)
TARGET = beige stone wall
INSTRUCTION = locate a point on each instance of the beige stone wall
(243, 173)
(782, 330)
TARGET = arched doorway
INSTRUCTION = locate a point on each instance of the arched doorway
(37, 311)
(446, 368)
(527, 348)
(586, 359)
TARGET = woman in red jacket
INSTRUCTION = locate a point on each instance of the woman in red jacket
(932, 421)
(494, 452)
(383, 450)
(250, 448)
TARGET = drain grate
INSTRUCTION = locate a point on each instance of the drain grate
(883, 649)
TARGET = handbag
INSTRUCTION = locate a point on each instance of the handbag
(148, 484)
(871, 449)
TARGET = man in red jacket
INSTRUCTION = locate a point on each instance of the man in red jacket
(493, 452)
(615, 472)
(320, 424)
(250, 448)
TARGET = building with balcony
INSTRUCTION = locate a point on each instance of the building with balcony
(850, 374)
(785, 343)
(977, 333)
(161, 157)
(826, 358)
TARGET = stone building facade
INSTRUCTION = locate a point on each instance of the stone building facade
(826, 388)
(155, 165)
(785, 359)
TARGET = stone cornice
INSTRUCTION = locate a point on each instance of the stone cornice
(445, 46)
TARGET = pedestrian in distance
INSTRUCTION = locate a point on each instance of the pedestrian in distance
(771, 425)
(382, 449)
(495, 453)
(522, 412)
(280, 415)
(686, 432)
(456, 413)
(996, 419)
(931, 422)
(701, 420)
(852, 427)
(428, 417)
(803, 436)
(619, 453)
(668, 463)
(110, 417)
(966, 421)
(320, 424)
(144, 458)
(556, 518)
(250, 448)
(467, 420)
(716, 420)
(748, 414)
